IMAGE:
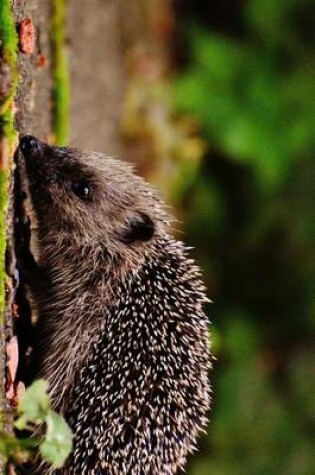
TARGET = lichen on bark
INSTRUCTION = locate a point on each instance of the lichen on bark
(8, 135)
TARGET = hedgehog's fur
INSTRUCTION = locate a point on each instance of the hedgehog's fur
(122, 337)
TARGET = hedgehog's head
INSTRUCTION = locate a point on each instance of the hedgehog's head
(90, 199)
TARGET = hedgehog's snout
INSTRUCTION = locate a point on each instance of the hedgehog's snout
(30, 146)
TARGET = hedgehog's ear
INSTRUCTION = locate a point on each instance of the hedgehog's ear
(138, 228)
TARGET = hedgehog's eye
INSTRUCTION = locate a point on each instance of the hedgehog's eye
(81, 189)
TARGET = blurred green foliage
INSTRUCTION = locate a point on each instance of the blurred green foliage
(250, 215)
(254, 98)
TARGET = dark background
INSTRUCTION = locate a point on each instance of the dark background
(245, 76)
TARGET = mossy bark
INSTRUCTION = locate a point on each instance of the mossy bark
(25, 107)
(8, 84)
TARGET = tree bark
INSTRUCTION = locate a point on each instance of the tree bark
(25, 107)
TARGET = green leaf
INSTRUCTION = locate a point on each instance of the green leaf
(58, 440)
(34, 405)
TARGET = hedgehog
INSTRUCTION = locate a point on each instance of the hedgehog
(121, 334)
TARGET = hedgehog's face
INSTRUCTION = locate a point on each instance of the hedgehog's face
(89, 197)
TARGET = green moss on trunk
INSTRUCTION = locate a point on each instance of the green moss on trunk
(59, 72)
(8, 51)
(8, 61)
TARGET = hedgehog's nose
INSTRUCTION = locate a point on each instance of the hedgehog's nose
(30, 146)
